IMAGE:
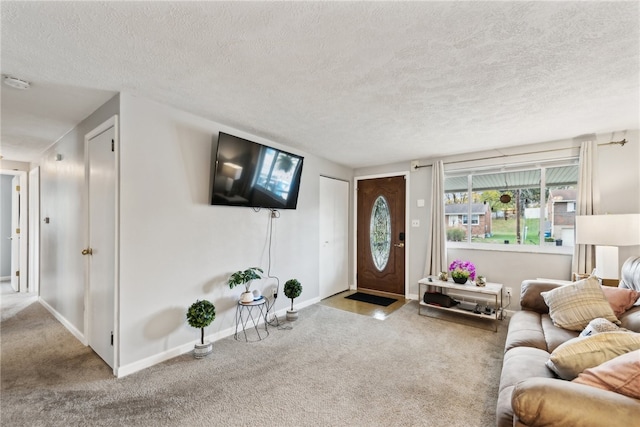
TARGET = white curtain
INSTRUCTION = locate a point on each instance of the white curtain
(588, 203)
(436, 251)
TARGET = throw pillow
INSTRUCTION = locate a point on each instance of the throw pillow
(620, 299)
(599, 325)
(574, 356)
(574, 306)
(621, 375)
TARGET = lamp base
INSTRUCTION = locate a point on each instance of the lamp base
(607, 262)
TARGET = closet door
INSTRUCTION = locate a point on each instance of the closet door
(101, 247)
(334, 241)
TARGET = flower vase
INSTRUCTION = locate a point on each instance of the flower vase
(460, 280)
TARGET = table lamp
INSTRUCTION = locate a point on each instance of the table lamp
(607, 233)
(232, 172)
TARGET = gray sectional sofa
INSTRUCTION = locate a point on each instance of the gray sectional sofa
(532, 394)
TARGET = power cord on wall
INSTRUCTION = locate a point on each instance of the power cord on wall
(502, 313)
(274, 322)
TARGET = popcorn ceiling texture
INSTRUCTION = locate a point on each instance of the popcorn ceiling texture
(359, 83)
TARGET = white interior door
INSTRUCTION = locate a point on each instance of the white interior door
(334, 230)
(101, 242)
(15, 233)
(34, 230)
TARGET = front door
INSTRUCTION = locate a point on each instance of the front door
(381, 234)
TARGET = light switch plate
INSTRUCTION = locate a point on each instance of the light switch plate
(415, 223)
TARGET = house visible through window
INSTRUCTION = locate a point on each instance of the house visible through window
(475, 219)
(527, 206)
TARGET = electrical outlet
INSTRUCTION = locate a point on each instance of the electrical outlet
(509, 291)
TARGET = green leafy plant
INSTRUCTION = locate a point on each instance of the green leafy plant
(456, 234)
(292, 289)
(245, 277)
(285, 163)
(200, 315)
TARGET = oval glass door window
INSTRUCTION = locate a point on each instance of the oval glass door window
(380, 233)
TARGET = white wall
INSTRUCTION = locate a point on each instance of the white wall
(62, 239)
(175, 247)
(619, 184)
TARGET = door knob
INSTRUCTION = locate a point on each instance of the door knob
(399, 245)
(87, 251)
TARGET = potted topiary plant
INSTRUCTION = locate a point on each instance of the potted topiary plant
(292, 289)
(245, 277)
(200, 315)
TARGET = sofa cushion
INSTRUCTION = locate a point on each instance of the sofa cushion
(630, 319)
(620, 374)
(553, 335)
(530, 298)
(525, 330)
(574, 306)
(521, 363)
(518, 364)
(551, 402)
(581, 353)
(620, 299)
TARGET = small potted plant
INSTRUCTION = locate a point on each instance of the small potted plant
(461, 271)
(200, 315)
(245, 277)
(292, 289)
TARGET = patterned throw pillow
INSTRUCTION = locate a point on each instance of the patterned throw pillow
(599, 325)
(574, 306)
(574, 356)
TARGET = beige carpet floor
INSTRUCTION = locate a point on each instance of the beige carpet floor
(331, 368)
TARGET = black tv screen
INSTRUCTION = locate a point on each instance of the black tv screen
(246, 173)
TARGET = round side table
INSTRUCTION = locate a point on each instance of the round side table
(248, 316)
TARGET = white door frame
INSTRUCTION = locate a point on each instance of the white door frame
(112, 122)
(24, 227)
(407, 245)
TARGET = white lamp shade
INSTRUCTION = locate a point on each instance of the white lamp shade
(231, 170)
(608, 230)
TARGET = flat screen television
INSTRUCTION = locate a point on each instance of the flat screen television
(246, 173)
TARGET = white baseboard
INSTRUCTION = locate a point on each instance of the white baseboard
(148, 362)
(4, 278)
(139, 365)
(74, 331)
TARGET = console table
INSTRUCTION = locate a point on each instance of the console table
(248, 317)
(491, 290)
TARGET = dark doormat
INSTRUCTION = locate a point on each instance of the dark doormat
(372, 299)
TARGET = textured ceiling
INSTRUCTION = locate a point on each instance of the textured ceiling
(356, 82)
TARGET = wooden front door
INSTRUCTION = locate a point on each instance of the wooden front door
(381, 234)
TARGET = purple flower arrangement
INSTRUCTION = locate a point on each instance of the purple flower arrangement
(462, 269)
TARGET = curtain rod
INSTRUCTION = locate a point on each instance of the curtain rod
(620, 143)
